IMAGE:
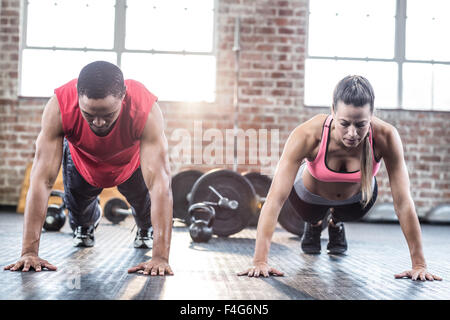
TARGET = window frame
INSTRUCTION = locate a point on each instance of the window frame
(119, 41)
(399, 57)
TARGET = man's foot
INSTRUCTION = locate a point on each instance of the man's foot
(144, 238)
(336, 233)
(311, 238)
(84, 236)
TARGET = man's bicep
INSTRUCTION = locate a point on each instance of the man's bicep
(154, 148)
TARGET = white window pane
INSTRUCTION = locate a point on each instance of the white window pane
(174, 25)
(417, 86)
(441, 99)
(352, 28)
(45, 70)
(173, 77)
(71, 23)
(321, 77)
(427, 28)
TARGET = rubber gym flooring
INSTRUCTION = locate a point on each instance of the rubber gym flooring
(208, 271)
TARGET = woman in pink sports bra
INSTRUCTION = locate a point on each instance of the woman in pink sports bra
(327, 171)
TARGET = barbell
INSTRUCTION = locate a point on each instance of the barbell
(230, 194)
(116, 210)
(238, 200)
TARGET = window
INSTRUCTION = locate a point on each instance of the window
(166, 44)
(397, 45)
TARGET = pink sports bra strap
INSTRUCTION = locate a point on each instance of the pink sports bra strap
(326, 129)
(328, 121)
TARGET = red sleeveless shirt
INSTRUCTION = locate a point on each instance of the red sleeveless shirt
(107, 161)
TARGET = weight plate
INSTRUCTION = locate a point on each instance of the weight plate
(290, 220)
(233, 186)
(261, 183)
(182, 184)
(115, 203)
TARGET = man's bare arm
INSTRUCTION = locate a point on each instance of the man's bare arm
(46, 164)
(156, 173)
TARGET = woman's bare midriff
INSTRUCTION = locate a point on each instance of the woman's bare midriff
(330, 190)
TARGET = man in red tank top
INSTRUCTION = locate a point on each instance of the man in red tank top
(106, 132)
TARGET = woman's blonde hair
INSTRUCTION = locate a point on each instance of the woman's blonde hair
(357, 90)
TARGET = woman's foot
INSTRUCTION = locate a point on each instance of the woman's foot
(311, 238)
(337, 244)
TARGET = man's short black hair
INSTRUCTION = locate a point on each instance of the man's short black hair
(99, 79)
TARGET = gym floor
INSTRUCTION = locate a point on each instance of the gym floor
(208, 271)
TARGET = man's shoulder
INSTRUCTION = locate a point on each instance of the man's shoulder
(134, 84)
(139, 93)
(68, 87)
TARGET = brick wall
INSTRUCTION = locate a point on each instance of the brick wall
(271, 83)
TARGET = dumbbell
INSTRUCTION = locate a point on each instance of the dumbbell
(55, 217)
(202, 219)
(116, 210)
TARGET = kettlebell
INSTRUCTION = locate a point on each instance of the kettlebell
(55, 217)
(202, 218)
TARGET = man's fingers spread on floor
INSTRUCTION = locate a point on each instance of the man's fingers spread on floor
(437, 278)
(276, 272)
(147, 270)
(17, 266)
(26, 267)
(49, 266)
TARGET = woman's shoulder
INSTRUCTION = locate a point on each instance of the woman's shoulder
(314, 126)
(383, 134)
(307, 135)
(381, 128)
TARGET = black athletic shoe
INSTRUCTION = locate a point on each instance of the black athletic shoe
(311, 239)
(84, 236)
(144, 238)
(336, 243)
